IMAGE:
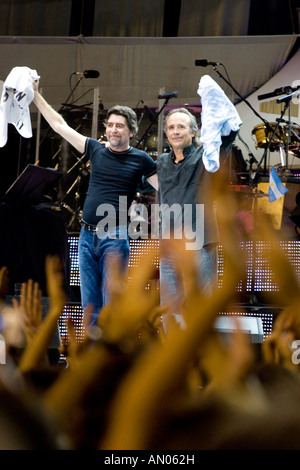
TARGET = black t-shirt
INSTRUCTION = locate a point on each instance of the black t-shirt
(113, 174)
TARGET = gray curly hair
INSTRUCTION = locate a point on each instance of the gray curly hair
(194, 125)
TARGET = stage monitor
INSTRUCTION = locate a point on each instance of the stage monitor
(251, 326)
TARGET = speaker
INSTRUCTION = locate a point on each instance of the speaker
(252, 326)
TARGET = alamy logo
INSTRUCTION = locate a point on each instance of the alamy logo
(160, 221)
(296, 354)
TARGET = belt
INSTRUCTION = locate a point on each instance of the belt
(90, 228)
(93, 228)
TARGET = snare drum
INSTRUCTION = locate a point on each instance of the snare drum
(263, 136)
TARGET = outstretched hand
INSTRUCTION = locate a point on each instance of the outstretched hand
(55, 282)
(36, 351)
(30, 307)
(278, 346)
(131, 303)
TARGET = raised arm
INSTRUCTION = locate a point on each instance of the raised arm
(56, 121)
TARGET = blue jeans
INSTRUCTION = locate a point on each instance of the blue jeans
(93, 253)
(170, 289)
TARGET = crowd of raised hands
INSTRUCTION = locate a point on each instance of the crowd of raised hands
(130, 385)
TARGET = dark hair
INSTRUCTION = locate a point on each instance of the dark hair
(128, 113)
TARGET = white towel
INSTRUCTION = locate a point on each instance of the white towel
(219, 117)
(17, 94)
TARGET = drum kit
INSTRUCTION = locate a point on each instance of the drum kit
(280, 136)
(285, 135)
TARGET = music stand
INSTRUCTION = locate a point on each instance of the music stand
(31, 185)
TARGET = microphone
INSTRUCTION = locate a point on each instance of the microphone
(278, 91)
(205, 63)
(89, 73)
(167, 96)
(288, 97)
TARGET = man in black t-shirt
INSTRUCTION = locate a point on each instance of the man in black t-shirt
(116, 171)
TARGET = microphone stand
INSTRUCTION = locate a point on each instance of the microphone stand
(252, 109)
(72, 92)
(241, 97)
(252, 299)
(153, 122)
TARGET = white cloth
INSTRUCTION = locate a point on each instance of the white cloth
(219, 117)
(17, 94)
